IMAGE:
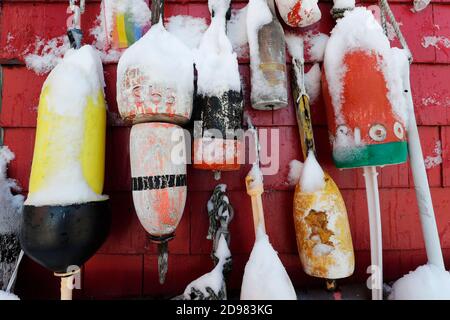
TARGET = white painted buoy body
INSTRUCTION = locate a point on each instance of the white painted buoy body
(158, 170)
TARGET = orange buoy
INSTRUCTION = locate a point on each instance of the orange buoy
(363, 96)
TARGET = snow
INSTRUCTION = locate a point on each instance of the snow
(436, 159)
(78, 76)
(314, 44)
(223, 252)
(313, 83)
(237, 31)
(256, 176)
(162, 59)
(295, 172)
(313, 177)
(216, 63)
(213, 279)
(10, 205)
(427, 282)
(342, 4)
(295, 46)
(46, 54)
(187, 29)
(435, 41)
(317, 43)
(8, 296)
(265, 277)
(368, 36)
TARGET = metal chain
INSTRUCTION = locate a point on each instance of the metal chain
(218, 220)
(386, 9)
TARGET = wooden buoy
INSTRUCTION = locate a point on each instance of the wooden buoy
(66, 218)
(158, 170)
(155, 78)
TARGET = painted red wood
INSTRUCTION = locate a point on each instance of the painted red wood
(126, 265)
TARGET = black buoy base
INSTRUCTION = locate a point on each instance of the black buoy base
(61, 238)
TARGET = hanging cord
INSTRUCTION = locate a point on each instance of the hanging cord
(338, 13)
(386, 10)
(220, 214)
(74, 30)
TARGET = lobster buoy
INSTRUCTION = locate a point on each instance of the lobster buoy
(299, 13)
(66, 218)
(219, 98)
(158, 180)
(323, 233)
(155, 79)
(363, 95)
(267, 56)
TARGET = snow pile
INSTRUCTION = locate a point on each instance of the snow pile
(237, 31)
(295, 46)
(427, 282)
(256, 176)
(46, 54)
(343, 4)
(295, 172)
(10, 205)
(314, 45)
(436, 159)
(163, 62)
(216, 63)
(313, 83)
(312, 178)
(265, 277)
(369, 37)
(214, 279)
(187, 29)
(435, 41)
(78, 77)
(8, 296)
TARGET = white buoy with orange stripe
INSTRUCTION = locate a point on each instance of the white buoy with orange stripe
(155, 82)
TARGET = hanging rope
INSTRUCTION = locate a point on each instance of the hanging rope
(386, 10)
(74, 29)
(220, 214)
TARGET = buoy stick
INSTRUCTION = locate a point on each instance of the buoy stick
(163, 258)
(14, 275)
(66, 287)
(421, 186)
(255, 193)
(376, 245)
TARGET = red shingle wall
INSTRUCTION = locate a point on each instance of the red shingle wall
(126, 266)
